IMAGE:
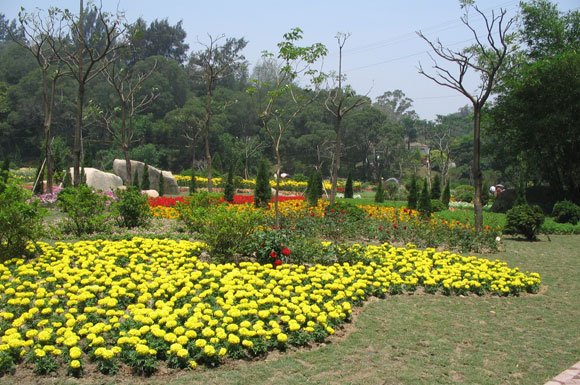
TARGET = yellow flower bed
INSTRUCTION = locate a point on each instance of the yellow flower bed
(143, 300)
(285, 184)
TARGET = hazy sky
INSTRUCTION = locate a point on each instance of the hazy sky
(382, 53)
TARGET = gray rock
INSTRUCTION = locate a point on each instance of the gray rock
(101, 180)
(171, 187)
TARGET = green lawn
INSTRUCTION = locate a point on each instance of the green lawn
(431, 339)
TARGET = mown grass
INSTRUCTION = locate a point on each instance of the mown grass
(432, 339)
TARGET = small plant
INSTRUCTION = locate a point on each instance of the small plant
(348, 189)
(86, 210)
(145, 183)
(525, 220)
(446, 195)
(436, 187)
(132, 210)
(161, 184)
(270, 246)
(20, 222)
(229, 189)
(412, 197)
(425, 200)
(566, 212)
(262, 191)
(380, 194)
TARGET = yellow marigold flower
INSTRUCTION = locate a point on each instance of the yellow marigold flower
(193, 364)
(200, 343)
(39, 353)
(75, 353)
(281, 337)
(209, 350)
(75, 364)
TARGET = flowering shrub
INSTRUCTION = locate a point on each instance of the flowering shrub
(143, 302)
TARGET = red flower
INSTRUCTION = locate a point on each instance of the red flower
(277, 262)
(273, 254)
(286, 251)
(331, 210)
(395, 226)
(311, 214)
(405, 227)
(380, 228)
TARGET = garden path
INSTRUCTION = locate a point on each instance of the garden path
(567, 377)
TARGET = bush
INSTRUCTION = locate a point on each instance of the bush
(503, 202)
(464, 193)
(566, 212)
(161, 185)
(446, 196)
(436, 187)
(229, 189)
(20, 222)
(425, 200)
(348, 190)
(525, 220)
(85, 209)
(132, 210)
(380, 194)
(262, 191)
(226, 232)
(192, 184)
(412, 197)
(437, 205)
(145, 184)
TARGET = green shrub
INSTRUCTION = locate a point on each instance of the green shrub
(314, 188)
(446, 196)
(20, 222)
(503, 202)
(525, 220)
(412, 197)
(204, 199)
(566, 212)
(348, 189)
(300, 177)
(161, 184)
(464, 193)
(425, 200)
(145, 183)
(136, 182)
(226, 232)
(436, 187)
(229, 189)
(270, 246)
(192, 184)
(262, 191)
(86, 211)
(380, 194)
(132, 209)
(437, 205)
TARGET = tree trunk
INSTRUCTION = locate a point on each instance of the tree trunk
(207, 124)
(336, 163)
(477, 175)
(80, 100)
(278, 167)
(125, 145)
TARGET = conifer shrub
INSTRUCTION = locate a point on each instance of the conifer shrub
(348, 188)
(425, 200)
(229, 188)
(380, 194)
(436, 187)
(161, 185)
(262, 191)
(412, 197)
(145, 183)
(446, 195)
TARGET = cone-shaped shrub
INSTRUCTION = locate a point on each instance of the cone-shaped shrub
(262, 192)
(229, 188)
(425, 200)
(412, 197)
(436, 187)
(348, 190)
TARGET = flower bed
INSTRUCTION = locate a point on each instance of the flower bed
(143, 302)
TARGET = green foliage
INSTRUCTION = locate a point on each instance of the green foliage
(39, 180)
(446, 196)
(485, 194)
(525, 220)
(20, 222)
(436, 187)
(380, 194)
(67, 182)
(521, 195)
(229, 189)
(161, 184)
(412, 197)
(314, 188)
(437, 205)
(262, 192)
(464, 193)
(145, 183)
(566, 212)
(216, 162)
(192, 184)
(136, 182)
(83, 177)
(86, 211)
(425, 200)
(226, 232)
(270, 246)
(132, 209)
(348, 189)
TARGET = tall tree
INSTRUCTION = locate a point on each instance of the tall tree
(216, 61)
(340, 103)
(296, 61)
(40, 33)
(486, 58)
(159, 39)
(102, 40)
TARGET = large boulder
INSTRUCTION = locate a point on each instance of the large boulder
(170, 184)
(101, 180)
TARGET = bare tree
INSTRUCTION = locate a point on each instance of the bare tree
(486, 58)
(339, 104)
(39, 34)
(250, 145)
(215, 62)
(126, 84)
(88, 60)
